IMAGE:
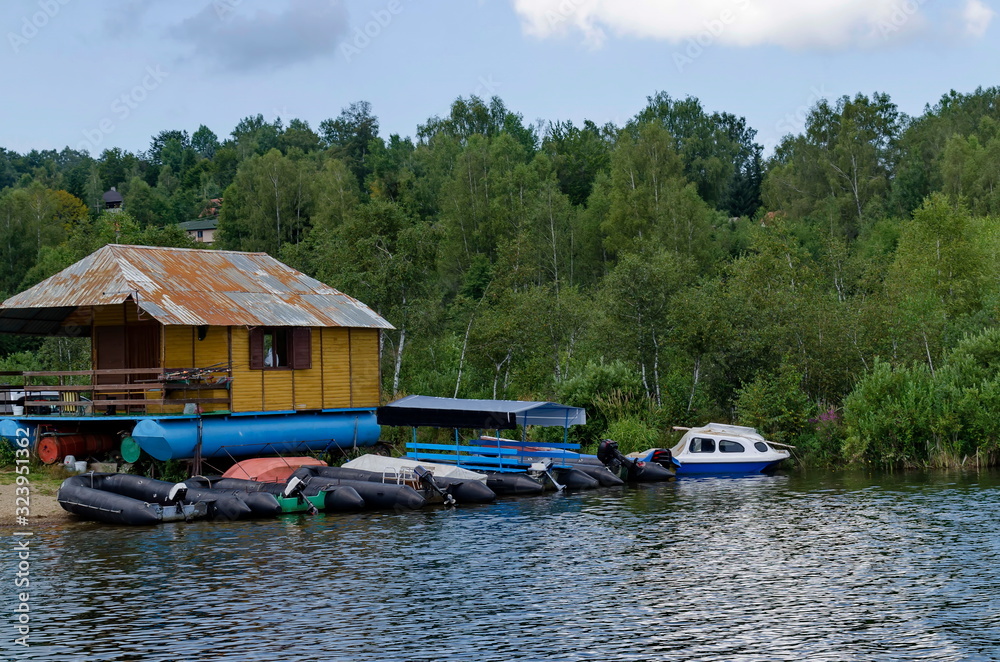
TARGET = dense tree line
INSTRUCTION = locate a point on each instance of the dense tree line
(841, 294)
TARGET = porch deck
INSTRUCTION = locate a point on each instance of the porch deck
(135, 391)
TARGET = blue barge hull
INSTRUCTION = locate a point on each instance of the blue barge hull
(262, 434)
(176, 437)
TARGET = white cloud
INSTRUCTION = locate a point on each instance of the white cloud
(814, 24)
(977, 16)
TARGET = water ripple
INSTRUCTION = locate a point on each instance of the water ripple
(820, 567)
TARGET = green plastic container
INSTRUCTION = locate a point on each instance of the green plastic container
(130, 450)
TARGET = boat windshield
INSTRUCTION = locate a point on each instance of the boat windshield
(761, 446)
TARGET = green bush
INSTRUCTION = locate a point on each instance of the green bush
(7, 453)
(607, 391)
(822, 446)
(888, 416)
(633, 434)
(776, 405)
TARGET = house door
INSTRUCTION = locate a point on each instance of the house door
(121, 347)
(142, 346)
(110, 353)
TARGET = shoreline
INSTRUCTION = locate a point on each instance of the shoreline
(41, 506)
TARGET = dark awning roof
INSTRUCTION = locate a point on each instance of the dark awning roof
(37, 321)
(425, 410)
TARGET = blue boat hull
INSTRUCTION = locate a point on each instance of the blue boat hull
(708, 468)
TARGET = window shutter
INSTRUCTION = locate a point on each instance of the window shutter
(301, 350)
(257, 348)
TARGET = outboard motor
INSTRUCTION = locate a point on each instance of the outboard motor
(426, 479)
(663, 457)
(634, 471)
(610, 456)
(294, 488)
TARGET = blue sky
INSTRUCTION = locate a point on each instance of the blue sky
(112, 74)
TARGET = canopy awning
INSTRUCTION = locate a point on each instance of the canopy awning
(425, 410)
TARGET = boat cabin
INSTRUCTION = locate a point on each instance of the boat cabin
(721, 448)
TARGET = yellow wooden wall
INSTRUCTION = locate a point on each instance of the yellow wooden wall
(178, 347)
(344, 373)
(336, 355)
(182, 349)
(213, 349)
(248, 385)
(119, 314)
(364, 368)
(177, 352)
(307, 389)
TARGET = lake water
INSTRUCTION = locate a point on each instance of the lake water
(810, 566)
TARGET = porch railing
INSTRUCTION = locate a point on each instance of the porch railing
(126, 390)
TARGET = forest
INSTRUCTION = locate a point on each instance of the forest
(840, 294)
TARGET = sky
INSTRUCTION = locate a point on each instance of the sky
(96, 75)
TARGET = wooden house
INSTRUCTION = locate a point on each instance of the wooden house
(186, 331)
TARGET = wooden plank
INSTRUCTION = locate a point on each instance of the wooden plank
(278, 390)
(308, 384)
(196, 387)
(129, 403)
(161, 401)
(247, 384)
(62, 388)
(76, 373)
(452, 458)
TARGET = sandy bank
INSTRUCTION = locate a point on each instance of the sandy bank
(40, 504)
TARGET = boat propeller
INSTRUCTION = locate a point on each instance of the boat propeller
(426, 478)
(545, 468)
(294, 488)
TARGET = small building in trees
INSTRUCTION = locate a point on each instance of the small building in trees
(199, 353)
(112, 200)
(201, 230)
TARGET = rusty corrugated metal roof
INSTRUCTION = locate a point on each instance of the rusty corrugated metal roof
(193, 287)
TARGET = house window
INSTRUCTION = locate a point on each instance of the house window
(201, 235)
(280, 348)
(276, 348)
